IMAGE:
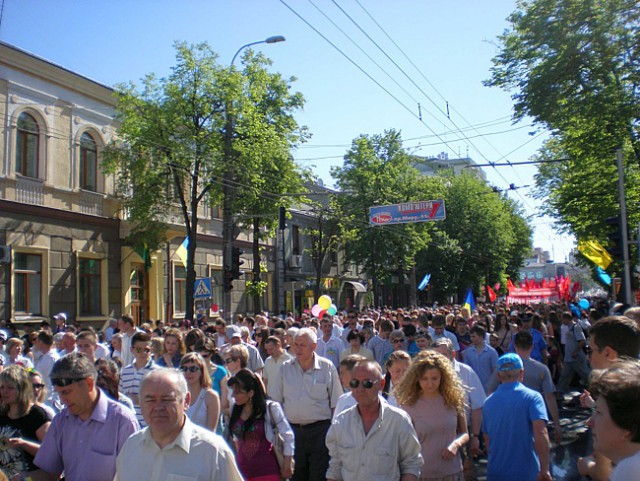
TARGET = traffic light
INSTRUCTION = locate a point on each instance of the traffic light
(615, 244)
(228, 280)
(236, 262)
(282, 218)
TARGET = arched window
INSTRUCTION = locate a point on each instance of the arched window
(88, 163)
(27, 146)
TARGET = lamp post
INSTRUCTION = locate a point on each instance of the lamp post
(228, 192)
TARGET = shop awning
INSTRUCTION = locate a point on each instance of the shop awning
(356, 285)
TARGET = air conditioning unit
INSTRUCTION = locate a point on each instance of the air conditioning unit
(5, 254)
(295, 261)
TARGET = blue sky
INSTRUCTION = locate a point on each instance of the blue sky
(451, 43)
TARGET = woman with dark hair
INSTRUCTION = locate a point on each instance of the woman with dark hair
(191, 339)
(356, 340)
(503, 330)
(23, 424)
(251, 424)
(109, 379)
(174, 348)
(261, 334)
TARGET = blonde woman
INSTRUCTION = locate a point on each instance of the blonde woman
(23, 424)
(14, 349)
(174, 348)
(431, 393)
(204, 405)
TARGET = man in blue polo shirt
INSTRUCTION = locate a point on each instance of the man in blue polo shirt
(514, 423)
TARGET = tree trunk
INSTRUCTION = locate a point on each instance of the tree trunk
(257, 276)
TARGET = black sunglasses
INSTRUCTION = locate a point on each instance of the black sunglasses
(367, 383)
(38, 386)
(189, 368)
(65, 381)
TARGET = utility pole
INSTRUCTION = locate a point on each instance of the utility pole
(624, 231)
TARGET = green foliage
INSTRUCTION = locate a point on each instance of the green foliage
(484, 237)
(170, 153)
(377, 171)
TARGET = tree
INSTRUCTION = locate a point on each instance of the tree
(170, 151)
(574, 66)
(324, 237)
(483, 238)
(377, 171)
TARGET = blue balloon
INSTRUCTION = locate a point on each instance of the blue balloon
(584, 304)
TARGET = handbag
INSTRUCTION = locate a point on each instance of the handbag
(278, 440)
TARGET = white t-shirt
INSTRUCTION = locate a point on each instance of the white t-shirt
(628, 469)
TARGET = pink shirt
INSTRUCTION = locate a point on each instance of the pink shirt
(437, 427)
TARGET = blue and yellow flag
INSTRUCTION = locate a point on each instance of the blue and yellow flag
(469, 301)
(597, 254)
(182, 251)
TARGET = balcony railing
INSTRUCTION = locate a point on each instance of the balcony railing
(30, 191)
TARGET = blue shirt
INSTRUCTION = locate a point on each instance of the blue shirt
(507, 418)
(539, 345)
(483, 362)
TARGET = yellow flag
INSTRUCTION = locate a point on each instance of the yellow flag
(593, 251)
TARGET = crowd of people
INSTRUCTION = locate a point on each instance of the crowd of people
(388, 394)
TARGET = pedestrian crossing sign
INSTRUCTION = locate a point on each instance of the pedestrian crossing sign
(202, 288)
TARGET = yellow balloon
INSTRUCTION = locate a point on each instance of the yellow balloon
(324, 302)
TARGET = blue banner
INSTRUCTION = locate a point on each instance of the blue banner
(422, 211)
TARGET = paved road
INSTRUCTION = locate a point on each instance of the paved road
(564, 457)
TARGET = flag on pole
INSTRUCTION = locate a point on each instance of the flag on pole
(597, 254)
(469, 301)
(145, 255)
(424, 282)
(491, 294)
(182, 251)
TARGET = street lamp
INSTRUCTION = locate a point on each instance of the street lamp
(228, 235)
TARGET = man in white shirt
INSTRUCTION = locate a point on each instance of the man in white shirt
(277, 356)
(128, 329)
(48, 357)
(329, 346)
(172, 447)
(370, 428)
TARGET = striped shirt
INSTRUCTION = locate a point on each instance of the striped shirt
(130, 378)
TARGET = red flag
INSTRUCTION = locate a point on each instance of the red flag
(574, 288)
(510, 285)
(491, 293)
(545, 283)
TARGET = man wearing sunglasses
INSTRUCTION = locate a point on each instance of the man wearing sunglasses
(132, 374)
(382, 442)
(87, 435)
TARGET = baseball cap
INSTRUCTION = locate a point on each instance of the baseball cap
(61, 315)
(509, 362)
(233, 331)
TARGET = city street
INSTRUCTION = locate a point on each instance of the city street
(564, 457)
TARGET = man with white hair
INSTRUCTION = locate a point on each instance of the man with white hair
(172, 447)
(308, 387)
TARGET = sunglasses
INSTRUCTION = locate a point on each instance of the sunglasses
(229, 360)
(367, 383)
(66, 381)
(397, 340)
(189, 368)
(38, 386)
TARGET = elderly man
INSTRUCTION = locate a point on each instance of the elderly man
(372, 440)
(308, 387)
(514, 423)
(171, 447)
(86, 436)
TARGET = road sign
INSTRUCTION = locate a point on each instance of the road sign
(421, 211)
(202, 288)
